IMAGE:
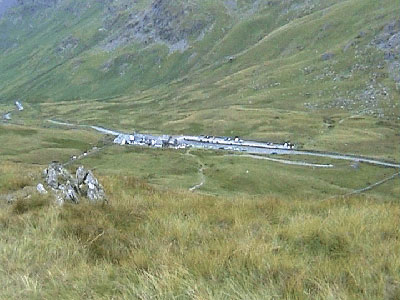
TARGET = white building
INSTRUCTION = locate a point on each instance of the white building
(19, 105)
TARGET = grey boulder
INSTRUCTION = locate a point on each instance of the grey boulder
(41, 190)
(70, 188)
(89, 186)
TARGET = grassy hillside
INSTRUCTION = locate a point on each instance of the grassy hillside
(53, 54)
(156, 242)
(224, 173)
(307, 71)
(151, 243)
(321, 74)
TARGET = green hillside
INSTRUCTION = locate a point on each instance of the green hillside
(100, 49)
(191, 223)
(321, 74)
(290, 69)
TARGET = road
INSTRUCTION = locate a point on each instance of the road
(270, 151)
(284, 161)
(261, 149)
(97, 128)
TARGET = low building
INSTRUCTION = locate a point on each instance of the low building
(19, 105)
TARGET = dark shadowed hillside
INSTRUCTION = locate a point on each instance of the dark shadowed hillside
(5, 5)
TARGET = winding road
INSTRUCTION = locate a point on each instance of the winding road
(258, 150)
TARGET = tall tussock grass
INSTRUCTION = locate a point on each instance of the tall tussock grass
(163, 244)
(14, 177)
(105, 231)
(34, 203)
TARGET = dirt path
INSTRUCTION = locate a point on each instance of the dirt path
(202, 182)
(201, 172)
(84, 155)
(284, 161)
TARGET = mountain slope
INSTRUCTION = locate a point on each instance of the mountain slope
(5, 5)
(273, 70)
(47, 46)
(195, 223)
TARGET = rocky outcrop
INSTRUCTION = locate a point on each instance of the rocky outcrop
(163, 22)
(389, 42)
(67, 45)
(31, 7)
(327, 56)
(68, 188)
(41, 190)
(65, 187)
(5, 5)
(89, 185)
